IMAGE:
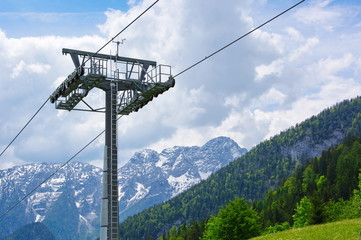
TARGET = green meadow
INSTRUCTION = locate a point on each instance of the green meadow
(342, 230)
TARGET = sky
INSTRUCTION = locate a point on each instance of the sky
(299, 64)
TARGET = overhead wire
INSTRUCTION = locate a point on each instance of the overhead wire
(45, 180)
(55, 172)
(41, 107)
(231, 43)
(181, 72)
(125, 28)
(50, 176)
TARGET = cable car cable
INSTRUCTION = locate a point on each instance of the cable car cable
(41, 107)
(231, 43)
(45, 180)
(83, 63)
(50, 176)
(183, 71)
(146, 10)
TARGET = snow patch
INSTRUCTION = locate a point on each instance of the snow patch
(178, 161)
(39, 218)
(141, 193)
(39, 203)
(182, 183)
(235, 153)
(56, 183)
(77, 192)
(204, 175)
(162, 160)
(120, 194)
(91, 216)
(84, 221)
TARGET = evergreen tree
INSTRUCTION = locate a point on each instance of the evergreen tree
(266, 167)
(304, 213)
(237, 221)
(65, 228)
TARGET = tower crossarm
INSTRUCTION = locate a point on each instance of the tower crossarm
(137, 81)
(129, 84)
(75, 54)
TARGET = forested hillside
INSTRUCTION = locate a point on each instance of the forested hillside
(325, 189)
(325, 180)
(252, 175)
(32, 231)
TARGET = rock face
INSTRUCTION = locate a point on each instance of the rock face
(80, 179)
(32, 231)
(308, 148)
(148, 178)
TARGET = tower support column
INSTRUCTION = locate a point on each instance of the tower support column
(109, 206)
(130, 86)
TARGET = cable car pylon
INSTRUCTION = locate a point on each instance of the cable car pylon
(129, 84)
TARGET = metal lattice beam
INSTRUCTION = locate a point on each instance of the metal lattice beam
(128, 87)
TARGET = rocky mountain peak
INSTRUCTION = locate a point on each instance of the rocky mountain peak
(147, 179)
(144, 156)
(151, 178)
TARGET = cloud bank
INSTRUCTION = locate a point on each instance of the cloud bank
(282, 74)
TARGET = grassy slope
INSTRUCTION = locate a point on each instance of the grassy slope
(342, 230)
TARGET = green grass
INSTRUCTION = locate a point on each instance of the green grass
(342, 230)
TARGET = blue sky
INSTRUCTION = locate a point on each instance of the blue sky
(305, 61)
(40, 17)
(60, 6)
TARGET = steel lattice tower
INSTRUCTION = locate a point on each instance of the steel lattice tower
(128, 86)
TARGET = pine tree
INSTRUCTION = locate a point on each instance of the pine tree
(235, 222)
(304, 213)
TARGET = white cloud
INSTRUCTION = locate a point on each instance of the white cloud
(33, 63)
(11, 158)
(319, 12)
(294, 34)
(328, 68)
(269, 40)
(268, 99)
(263, 84)
(183, 137)
(131, 2)
(263, 70)
(97, 162)
(304, 49)
(276, 66)
(37, 68)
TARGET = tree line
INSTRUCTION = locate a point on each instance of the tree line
(252, 176)
(325, 189)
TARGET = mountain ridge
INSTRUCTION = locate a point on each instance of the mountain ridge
(147, 179)
(250, 176)
(175, 169)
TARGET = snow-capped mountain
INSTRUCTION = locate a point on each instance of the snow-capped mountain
(147, 179)
(81, 179)
(150, 177)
